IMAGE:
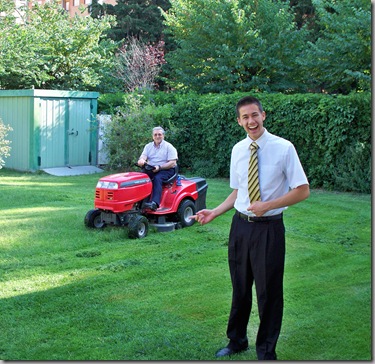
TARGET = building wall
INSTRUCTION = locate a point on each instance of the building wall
(72, 6)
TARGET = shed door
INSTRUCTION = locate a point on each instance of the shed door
(79, 132)
(64, 132)
(52, 133)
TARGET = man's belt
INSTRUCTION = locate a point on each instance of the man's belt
(259, 218)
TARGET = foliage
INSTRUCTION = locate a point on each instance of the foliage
(108, 103)
(222, 46)
(141, 20)
(326, 130)
(353, 171)
(4, 143)
(226, 46)
(124, 136)
(49, 50)
(135, 19)
(139, 64)
(73, 294)
(233, 45)
(331, 62)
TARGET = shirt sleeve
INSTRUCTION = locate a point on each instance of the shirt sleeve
(144, 152)
(171, 152)
(233, 180)
(295, 174)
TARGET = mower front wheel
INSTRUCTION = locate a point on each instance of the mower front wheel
(93, 219)
(138, 227)
(185, 210)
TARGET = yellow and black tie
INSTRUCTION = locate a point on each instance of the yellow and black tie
(253, 177)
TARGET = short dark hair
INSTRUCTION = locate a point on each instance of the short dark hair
(248, 100)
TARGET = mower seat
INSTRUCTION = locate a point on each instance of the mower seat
(172, 179)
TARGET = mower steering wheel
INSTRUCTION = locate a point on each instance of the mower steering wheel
(148, 167)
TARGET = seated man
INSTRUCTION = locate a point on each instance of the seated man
(163, 156)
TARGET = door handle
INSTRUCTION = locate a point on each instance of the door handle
(72, 132)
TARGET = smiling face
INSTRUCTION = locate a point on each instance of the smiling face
(157, 136)
(251, 119)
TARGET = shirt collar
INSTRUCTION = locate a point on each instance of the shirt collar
(261, 141)
(158, 146)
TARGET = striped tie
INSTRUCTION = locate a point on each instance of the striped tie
(253, 178)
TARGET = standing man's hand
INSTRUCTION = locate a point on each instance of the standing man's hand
(258, 208)
(203, 216)
(292, 197)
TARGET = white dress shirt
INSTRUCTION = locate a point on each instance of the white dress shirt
(279, 170)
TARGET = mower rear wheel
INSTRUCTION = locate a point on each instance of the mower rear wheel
(138, 227)
(185, 210)
(93, 220)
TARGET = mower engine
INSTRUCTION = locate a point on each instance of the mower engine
(120, 192)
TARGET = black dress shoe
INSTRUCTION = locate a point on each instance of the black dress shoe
(151, 205)
(227, 351)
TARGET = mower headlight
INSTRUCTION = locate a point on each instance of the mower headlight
(113, 185)
(108, 185)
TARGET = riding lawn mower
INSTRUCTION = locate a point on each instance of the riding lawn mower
(120, 198)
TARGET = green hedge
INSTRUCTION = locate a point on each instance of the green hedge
(332, 134)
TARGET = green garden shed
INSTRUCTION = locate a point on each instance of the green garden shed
(50, 128)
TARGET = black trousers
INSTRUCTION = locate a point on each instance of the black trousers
(256, 253)
(157, 182)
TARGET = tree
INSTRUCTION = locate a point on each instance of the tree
(49, 50)
(138, 64)
(223, 45)
(340, 59)
(139, 19)
(4, 143)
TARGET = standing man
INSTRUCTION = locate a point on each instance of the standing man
(256, 250)
(163, 156)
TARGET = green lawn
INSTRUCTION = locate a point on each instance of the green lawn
(69, 293)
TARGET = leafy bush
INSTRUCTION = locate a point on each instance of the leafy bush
(353, 171)
(108, 103)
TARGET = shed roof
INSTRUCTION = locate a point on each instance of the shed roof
(50, 93)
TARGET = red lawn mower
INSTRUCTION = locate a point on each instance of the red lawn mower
(119, 201)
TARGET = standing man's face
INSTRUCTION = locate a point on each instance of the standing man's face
(157, 136)
(251, 119)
